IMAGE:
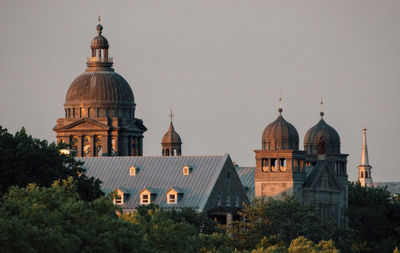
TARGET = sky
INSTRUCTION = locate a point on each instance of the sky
(221, 65)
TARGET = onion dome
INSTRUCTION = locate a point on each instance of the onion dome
(280, 135)
(322, 132)
(99, 41)
(171, 137)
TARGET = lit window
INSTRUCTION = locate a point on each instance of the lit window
(174, 194)
(120, 196)
(145, 199)
(186, 170)
(147, 195)
(171, 198)
(132, 171)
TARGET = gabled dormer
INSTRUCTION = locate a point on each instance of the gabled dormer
(174, 195)
(147, 195)
(133, 170)
(186, 170)
(121, 196)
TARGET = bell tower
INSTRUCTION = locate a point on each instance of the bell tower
(171, 142)
(364, 169)
(279, 164)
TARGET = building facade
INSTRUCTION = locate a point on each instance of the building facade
(316, 176)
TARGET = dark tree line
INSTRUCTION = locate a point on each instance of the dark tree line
(47, 204)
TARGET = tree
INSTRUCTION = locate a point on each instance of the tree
(286, 219)
(24, 160)
(54, 219)
(374, 220)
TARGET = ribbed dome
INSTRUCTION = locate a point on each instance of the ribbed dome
(99, 41)
(101, 88)
(171, 136)
(329, 136)
(279, 135)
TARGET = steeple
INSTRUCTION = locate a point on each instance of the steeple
(171, 142)
(364, 169)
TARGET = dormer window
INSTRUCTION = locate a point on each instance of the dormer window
(121, 196)
(133, 170)
(186, 170)
(145, 199)
(147, 195)
(174, 194)
(172, 198)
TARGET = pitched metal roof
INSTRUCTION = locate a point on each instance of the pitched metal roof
(160, 174)
(246, 175)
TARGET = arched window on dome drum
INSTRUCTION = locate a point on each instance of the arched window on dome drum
(167, 152)
(116, 112)
(301, 165)
(88, 112)
(86, 146)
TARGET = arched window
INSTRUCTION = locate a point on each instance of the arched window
(282, 164)
(362, 174)
(98, 145)
(167, 152)
(366, 174)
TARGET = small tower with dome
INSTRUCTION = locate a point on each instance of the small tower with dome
(171, 142)
(279, 163)
(100, 109)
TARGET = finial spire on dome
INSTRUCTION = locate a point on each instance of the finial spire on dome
(280, 110)
(99, 27)
(322, 108)
(171, 115)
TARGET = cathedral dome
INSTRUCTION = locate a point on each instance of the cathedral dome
(322, 132)
(279, 135)
(101, 88)
(171, 137)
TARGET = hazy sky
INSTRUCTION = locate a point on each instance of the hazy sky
(220, 65)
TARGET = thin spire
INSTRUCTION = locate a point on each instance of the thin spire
(171, 115)
(280, 103)
(99, 19)
(322, 108)
(364, 153)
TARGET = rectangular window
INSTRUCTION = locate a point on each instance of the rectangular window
(171, 198)
(145, 199)
(118, 199)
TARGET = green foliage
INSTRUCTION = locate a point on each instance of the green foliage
(374, 220)
(286, 219)
(176, 230)
(25, 160)
(54, 219)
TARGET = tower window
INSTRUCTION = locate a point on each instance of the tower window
(273, 164)
(264, 164)
(362, 174)
(219, 199)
